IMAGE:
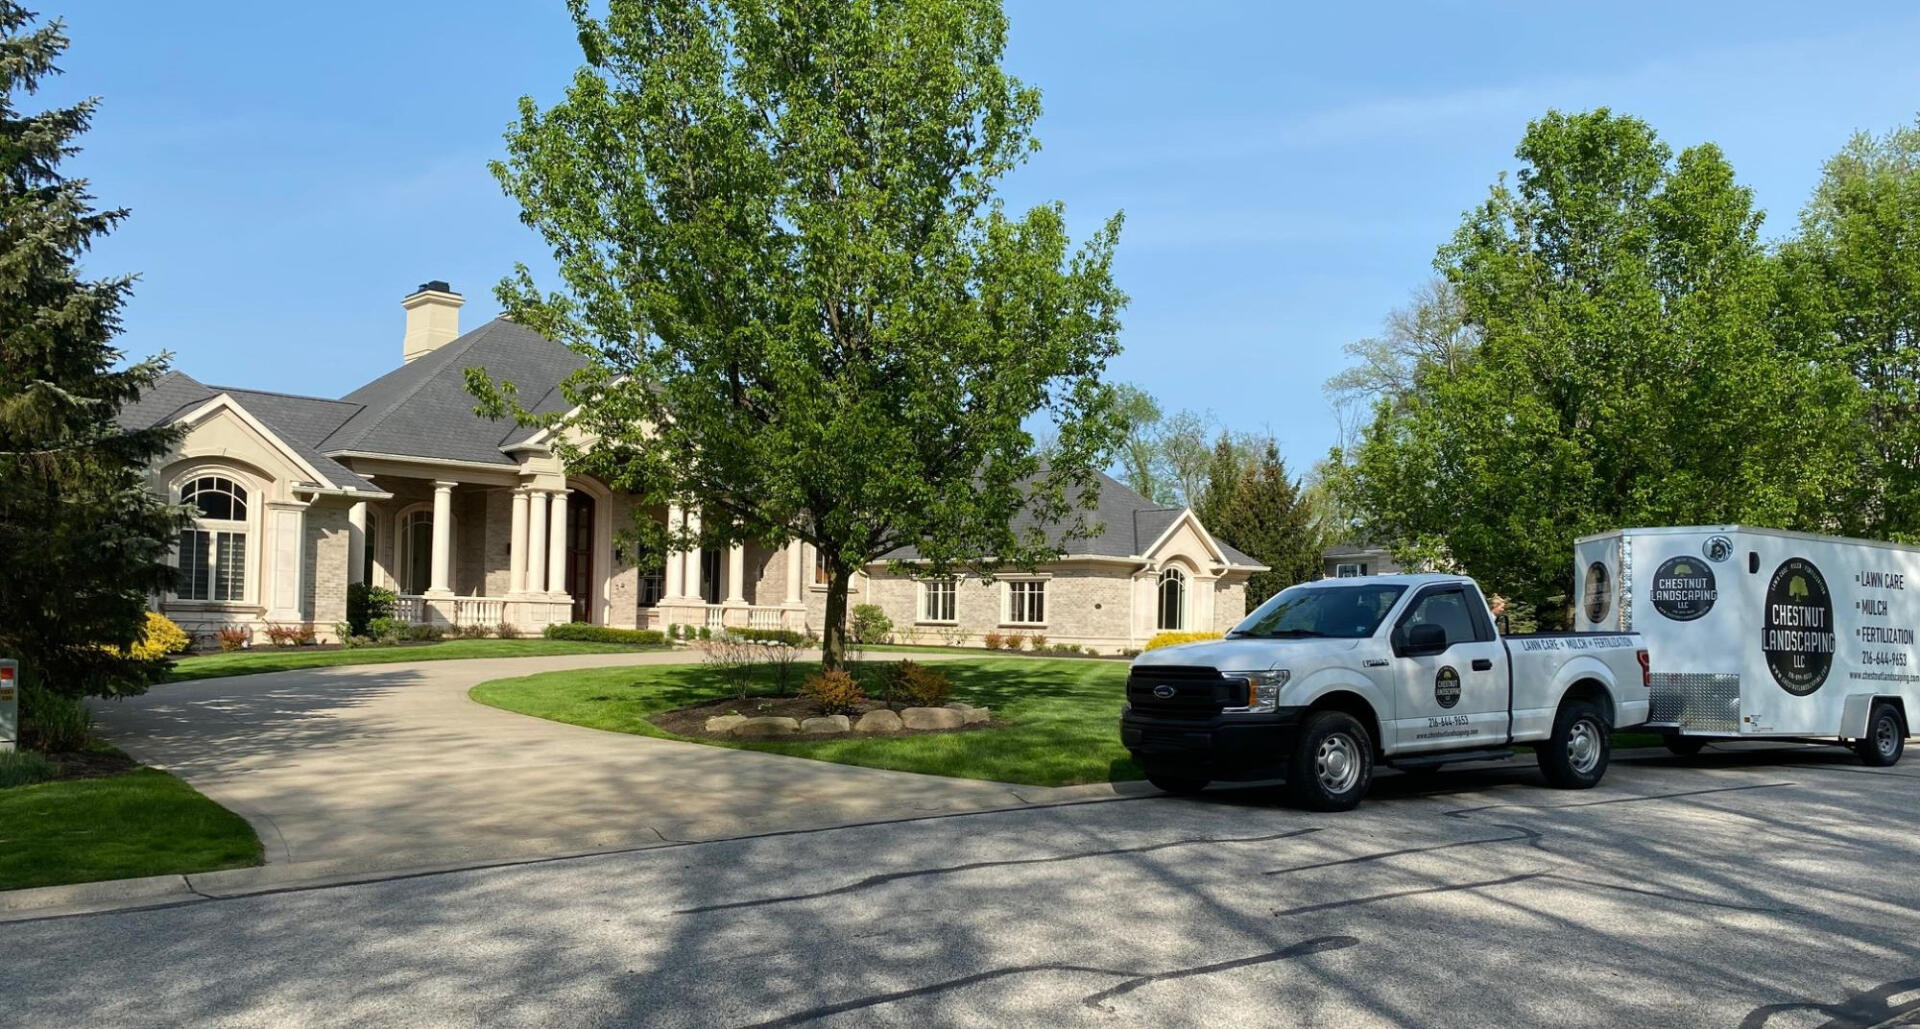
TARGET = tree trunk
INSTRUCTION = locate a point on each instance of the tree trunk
(833, 635)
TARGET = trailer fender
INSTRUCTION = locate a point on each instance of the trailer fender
(1858, 708)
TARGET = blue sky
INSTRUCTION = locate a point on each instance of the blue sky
(294, 169)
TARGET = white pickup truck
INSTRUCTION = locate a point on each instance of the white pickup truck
(1327, 679)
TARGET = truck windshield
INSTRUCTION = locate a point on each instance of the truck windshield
(1304, 612)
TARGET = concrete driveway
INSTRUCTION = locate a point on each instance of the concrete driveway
(385, 767)
(1769, 890)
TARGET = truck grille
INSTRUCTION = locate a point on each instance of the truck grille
(1197, 692)
(1698, 701)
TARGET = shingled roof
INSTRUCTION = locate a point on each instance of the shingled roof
(300, 423)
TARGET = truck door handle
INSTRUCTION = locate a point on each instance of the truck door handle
(1482, 664)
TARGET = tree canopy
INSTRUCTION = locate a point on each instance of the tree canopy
(1629, 369)
(806, 312)
(83, 541)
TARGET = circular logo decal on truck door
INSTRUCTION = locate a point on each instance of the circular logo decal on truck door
(1683, 589)
(1446, 686)
(1599, 592)
(1798, 637)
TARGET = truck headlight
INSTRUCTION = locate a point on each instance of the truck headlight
(1263, 689)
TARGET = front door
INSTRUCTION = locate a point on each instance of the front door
(1458, 697)
(580, 555)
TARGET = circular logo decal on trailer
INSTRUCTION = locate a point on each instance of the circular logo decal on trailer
(1446, 686)
(1717, 548)
(1598, 592)
(1798, 638)
(1683, 589)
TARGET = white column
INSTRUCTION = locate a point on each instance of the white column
(517, 545)
(536, 541)
(557, 544)
(441, 579)
(676, 559)
(793, 571)
(357, 542)
(737, 574)
(696, 569)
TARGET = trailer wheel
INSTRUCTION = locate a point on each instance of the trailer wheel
(1332, 763)
(1683, 746)
(1886, 737)
(1576, 756)
(1176, 781)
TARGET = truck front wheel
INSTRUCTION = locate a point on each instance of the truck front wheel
(1886, 738)
(1332, 763)
(1576, 757)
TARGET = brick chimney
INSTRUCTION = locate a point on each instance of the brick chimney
(433, 318)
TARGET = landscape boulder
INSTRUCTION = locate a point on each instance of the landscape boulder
(724, 723)
(932, 718)
(766, 726)
(973, 715)
(827, 723)
(878, 720)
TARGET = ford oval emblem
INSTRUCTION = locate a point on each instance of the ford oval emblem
(1163, 691)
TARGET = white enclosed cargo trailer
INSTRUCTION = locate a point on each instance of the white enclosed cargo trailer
(1759, 633)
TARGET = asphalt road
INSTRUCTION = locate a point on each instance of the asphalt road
(1777, 889)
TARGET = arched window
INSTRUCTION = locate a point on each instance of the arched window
(213, 549)
(1173, 600)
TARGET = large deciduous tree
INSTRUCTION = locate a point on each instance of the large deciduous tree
(1854, 296)
(805, 311)
(83, 541)
(1628, 371)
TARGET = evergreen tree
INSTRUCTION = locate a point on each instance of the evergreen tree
(1269, 517)
(82, 540)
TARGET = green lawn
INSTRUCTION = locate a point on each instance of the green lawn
(283, 659)
(1065, 713)
(141, 822)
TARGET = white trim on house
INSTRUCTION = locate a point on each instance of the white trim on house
(318, 482)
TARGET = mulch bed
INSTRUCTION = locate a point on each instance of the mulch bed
(692, 721)
(91, 764)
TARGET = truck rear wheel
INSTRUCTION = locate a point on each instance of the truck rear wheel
(1576, 756)
(1332, 763)
(1885, 740)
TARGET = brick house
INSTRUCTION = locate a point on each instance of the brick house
(473, 521)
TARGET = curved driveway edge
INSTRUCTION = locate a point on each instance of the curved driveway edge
(348, 772)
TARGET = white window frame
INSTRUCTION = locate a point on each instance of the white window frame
(922, 613)
(1348, 570)
(1026, 586)
(247, 528)
(403, 548)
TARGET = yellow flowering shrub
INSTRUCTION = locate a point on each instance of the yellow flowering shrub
(161, 638)
(1174, 639)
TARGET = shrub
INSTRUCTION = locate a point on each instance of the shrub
(52, 722)
(835, 692)
(470, 632)
(159, 638)
(1015, 641)
(870, 624)
(787, 637)
(387, 630)
(507, 631)
(283, 635)
(234, 637)
(993, 641)
(366, 604)
(1037, 641)
(928, 687)
(425, 633)
(1174, 639)
(356, 642)
(584, 633)
(23, 768)
(706, 633)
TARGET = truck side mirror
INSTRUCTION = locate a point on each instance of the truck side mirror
(1423, 640)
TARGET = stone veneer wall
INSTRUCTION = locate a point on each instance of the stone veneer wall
(1229, 604)
(623, 578)
(324, 577)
